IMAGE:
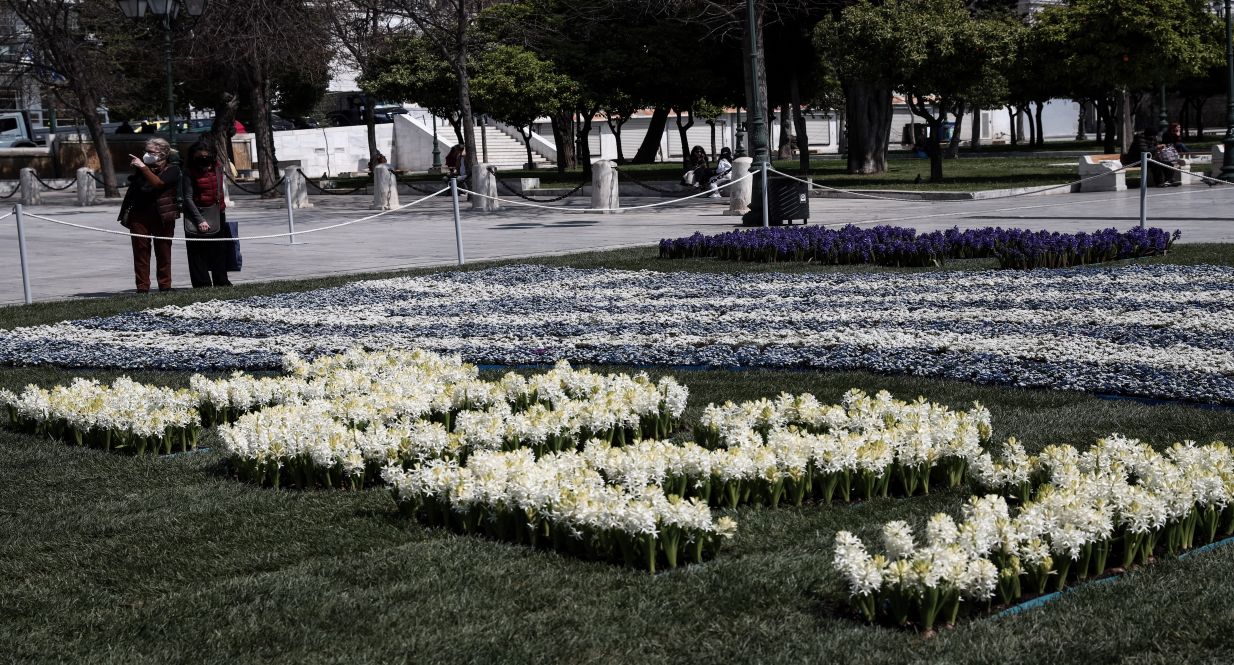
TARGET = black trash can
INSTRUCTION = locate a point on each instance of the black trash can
(787, 201)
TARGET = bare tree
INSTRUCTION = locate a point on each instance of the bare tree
(244, 47)
(65, 44)
(447, 24)
(360, 27)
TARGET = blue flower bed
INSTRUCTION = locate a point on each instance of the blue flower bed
(904, 247)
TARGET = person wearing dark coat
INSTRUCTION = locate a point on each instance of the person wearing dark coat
(204, 217)
(149, 209)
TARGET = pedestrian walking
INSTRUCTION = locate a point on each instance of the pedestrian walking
(205, 217)
(149, 209)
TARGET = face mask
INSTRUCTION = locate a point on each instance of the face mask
(150, 159)
(202, 160)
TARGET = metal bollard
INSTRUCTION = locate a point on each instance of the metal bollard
(1144, 157)
(291, 215)
(458, 225)
(21, 251)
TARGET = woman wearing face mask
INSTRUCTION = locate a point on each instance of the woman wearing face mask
(204, 217)
(149, 209)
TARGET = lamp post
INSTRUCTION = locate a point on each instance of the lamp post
(740, 147)
(165, 10)
(436, 168)
(758, 123)
(1163, 114)
(1227, 167)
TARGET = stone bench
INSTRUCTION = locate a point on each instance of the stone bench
(1106, 169)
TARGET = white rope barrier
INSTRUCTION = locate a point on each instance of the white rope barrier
(704, 192)
(262, 237)
(1212, 182)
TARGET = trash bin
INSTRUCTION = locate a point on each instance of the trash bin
(787, 201)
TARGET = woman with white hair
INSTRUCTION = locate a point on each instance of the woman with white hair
(150, 209)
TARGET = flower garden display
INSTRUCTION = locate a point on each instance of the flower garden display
(1077, 515)
(904, 247)
(1154, 331)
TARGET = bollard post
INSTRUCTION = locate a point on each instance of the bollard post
(484, 181)
(1144, 157)
(740, 192)
(385, 188)
(31, 192)
(87, 189)
(296, 187)
(291, 215)
(21, 251)
(605, 191)
(766, 212)
(458, 225)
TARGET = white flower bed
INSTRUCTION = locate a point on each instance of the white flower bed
(1119, 498)
(1154, 331)
(126, 416)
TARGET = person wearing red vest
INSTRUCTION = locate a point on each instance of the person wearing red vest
(149, 209)
(204, 219)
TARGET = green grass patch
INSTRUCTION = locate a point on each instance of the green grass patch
(111, 558)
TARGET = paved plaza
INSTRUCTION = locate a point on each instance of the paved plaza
(68, 262)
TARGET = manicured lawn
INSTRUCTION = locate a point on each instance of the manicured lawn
(109, 558)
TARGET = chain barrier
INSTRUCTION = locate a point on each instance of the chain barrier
(413, 188)
(259, 192)
(326, 191)
(705, 192)
(555, 199)
(100, 181)
(61, 222)
(54, 189)
(1031, 192)
(626, 175)
(12, 193)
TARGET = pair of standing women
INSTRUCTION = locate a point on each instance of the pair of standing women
(150, 209)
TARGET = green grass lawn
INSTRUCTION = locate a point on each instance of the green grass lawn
(109, 558)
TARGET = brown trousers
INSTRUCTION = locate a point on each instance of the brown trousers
(151, 225)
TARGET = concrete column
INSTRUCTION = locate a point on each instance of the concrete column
(87, 188)
(1218, 154)
(605, 193)
(739, 194)
(385, 188)
(31, 190)
(485, 182)
(297, 190)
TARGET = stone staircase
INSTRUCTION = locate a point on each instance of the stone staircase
(505, 151)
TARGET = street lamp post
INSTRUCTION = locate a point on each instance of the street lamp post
(436, 168)
(166, 10)
(1227, 167)
(1163, 114)
(740, 147)
(759, 149)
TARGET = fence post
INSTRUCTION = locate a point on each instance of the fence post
(458, 225)
(385, 188)
(87, 189)
(289, 176)
(21, 251)
(31, 192)
(766, 211)
(740, 191)
(296, 186)
(605, 192)
(1144, 178)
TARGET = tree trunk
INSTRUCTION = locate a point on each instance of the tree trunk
(223, 128)
(1040, 126)
(563, 136)
(785, 148)
(867, 111)
(267, 162)
(953, 147)
(974, 141)
(531, 163)
(1012, 113)
(466, 118)
(1032, 126)
(584, 143)
(799, 121)
(651, 142)
(712, 123)
(370, 124)
(683, 133)
(1127, 126)
(98, 137)
(1199, 117)
(615, 128)
(1105, 111)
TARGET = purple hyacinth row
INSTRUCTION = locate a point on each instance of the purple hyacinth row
(904, 247)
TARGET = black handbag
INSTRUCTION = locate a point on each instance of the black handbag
(211, 215)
